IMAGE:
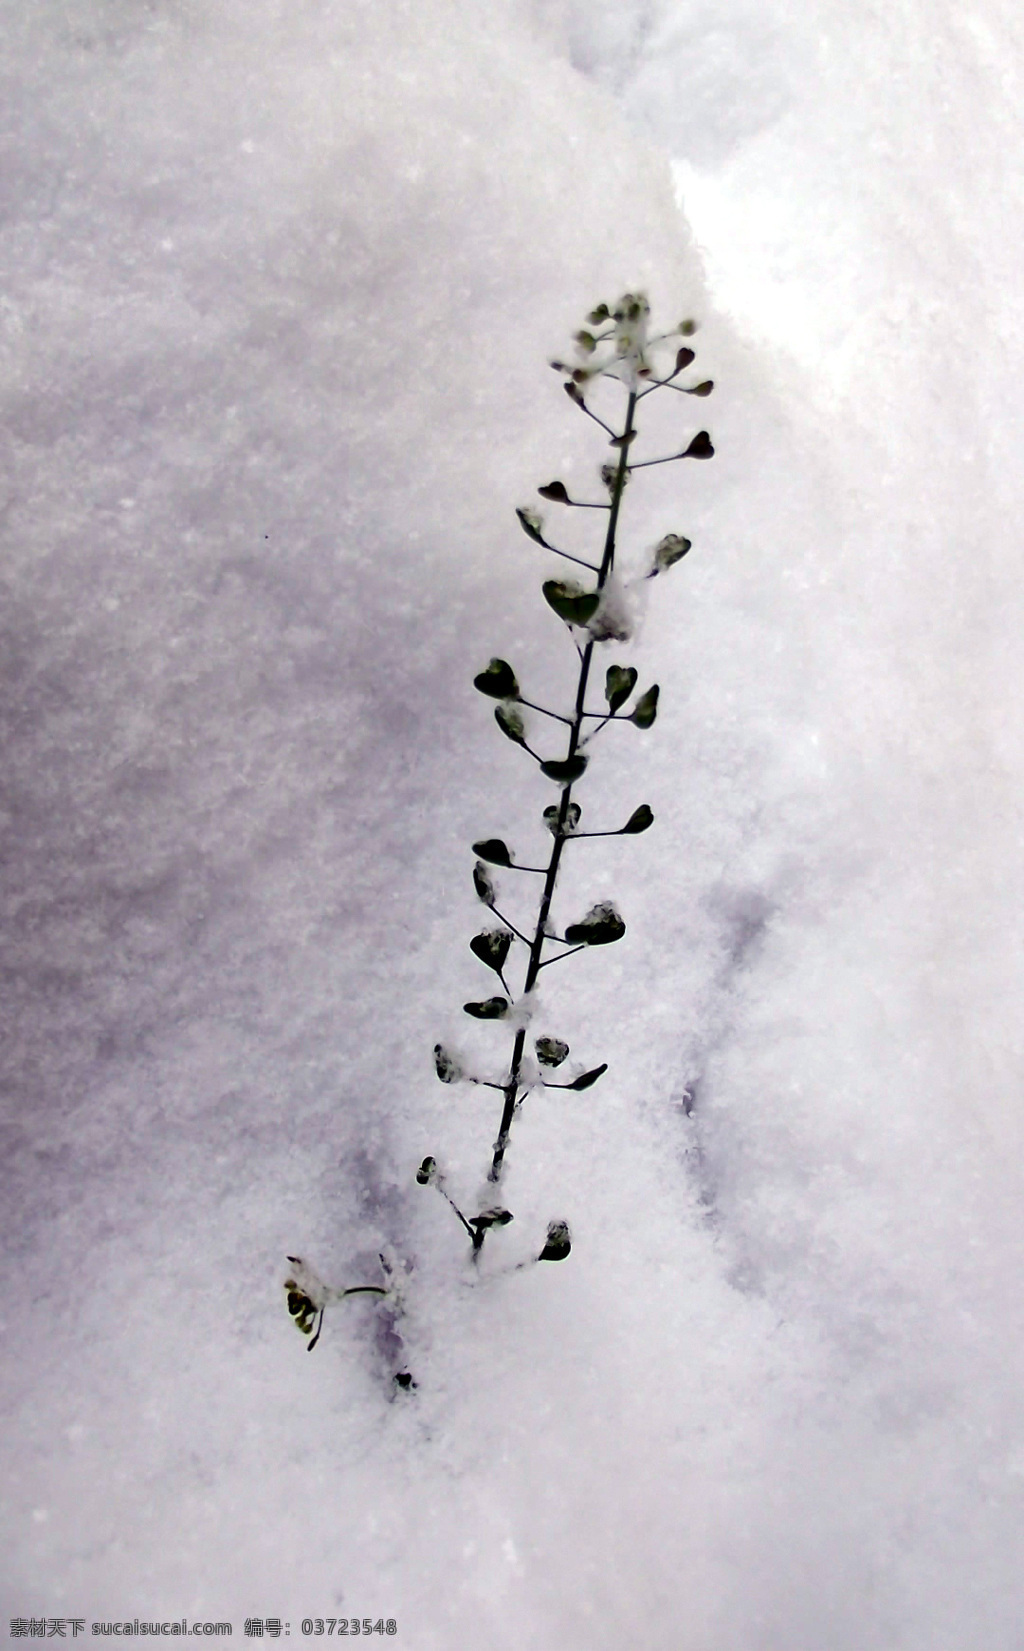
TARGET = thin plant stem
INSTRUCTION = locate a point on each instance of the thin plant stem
(551, 878)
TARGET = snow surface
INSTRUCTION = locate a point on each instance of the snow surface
(279, 287)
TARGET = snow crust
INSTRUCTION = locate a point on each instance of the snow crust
(279, 288)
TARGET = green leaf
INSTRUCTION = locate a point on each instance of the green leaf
(555, 491)
(570, 601)
(492, 1008)
(683, 358)
(646, 708)
(619, 682)
(499, 680)
(531, 524)
(687, 328)
(494, 850)
(567, 772)
(551, 1051)
(601, 926)
(445, 1065)
(638, 821)
(427, 1172)
(572, 818)
(511, 723)
(704, 389)
(586, 342)
(492, 947)
(484, 884)
(596, 316)
(496, 1217)
(667, 552)
(700, 447)
(558, 1244)
(588, 1078)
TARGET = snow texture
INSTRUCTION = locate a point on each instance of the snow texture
(279, 287)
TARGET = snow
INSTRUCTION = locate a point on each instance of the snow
(280, 287)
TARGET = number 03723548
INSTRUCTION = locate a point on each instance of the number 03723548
(349, 1625)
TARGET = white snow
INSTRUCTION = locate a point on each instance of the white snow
(280, 284)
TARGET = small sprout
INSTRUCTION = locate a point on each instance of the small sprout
(570, 601)
(558, 1244)
(484, 884)
(601, 313)
(619, 682)
(427, 1172)
(404, 1380)
(687, 328)
(495, 1217)
(566, 772)
(703, 389)
(492, 1008)
(492, 947)
(640, 819)
(551, 1051)
(572, 819)
(531, 523)
(446, 1066)
(667, 552)
(585, 342)
(683, 358)
(493, 850)
(700, 447)
(498, 681)
(588, 1078)
(555, 491)
(511, 723)
(601, 926)
(646, 708)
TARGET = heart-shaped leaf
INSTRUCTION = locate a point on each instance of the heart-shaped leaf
(499, 680)
(496, 1217)
(646, 708)
(596, 316)
(600, 927)
(700, 447)
(492, 1008)
(551, 1051)
(572, 819)
(511, 723)
(619, 682)
(704, 389)
(555, 491)
(494, 850)
(570, 601)
(484, 884)
(445, 1065)
(683, 358)
(588, 1078)
(427, 1172)
(492, 947)
(585, 342)
(638, 821)
(558, 1244)
(531, 523)
(567, 772)
(667, 552)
